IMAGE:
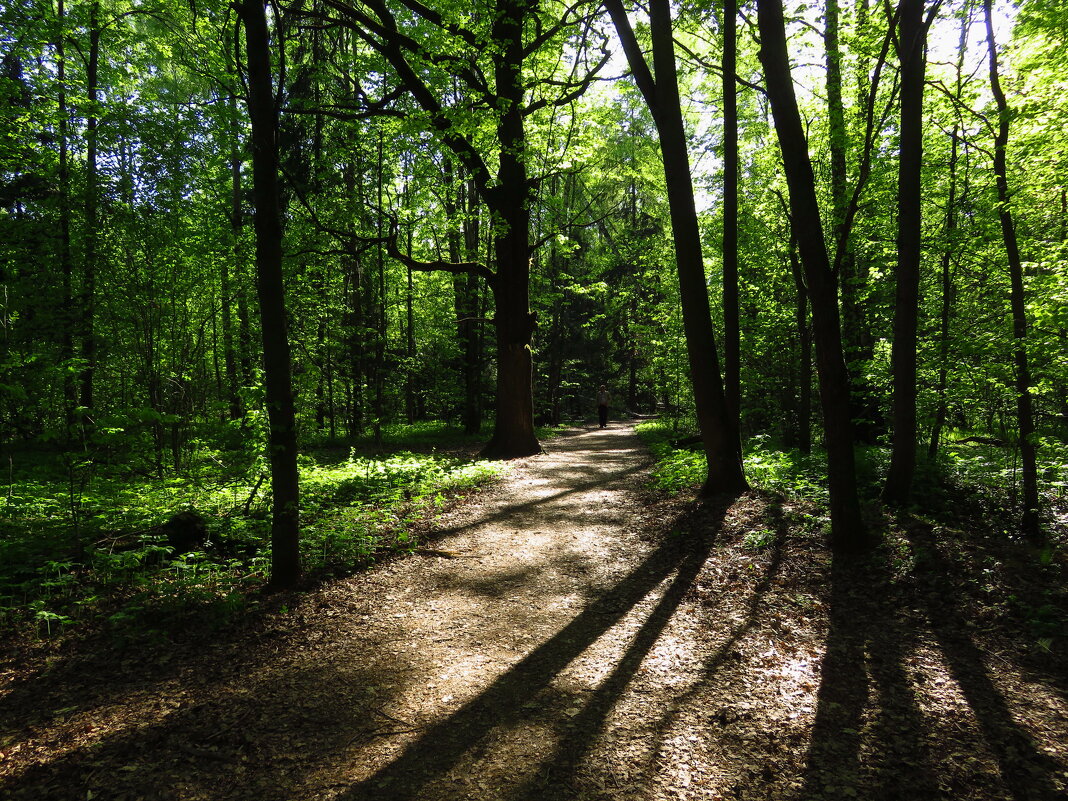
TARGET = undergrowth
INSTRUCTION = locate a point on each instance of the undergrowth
(83, 542)
(965, 503)
(988, 473)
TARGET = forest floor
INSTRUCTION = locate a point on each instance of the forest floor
(569, 634)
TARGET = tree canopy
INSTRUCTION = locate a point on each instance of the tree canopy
(481, 216)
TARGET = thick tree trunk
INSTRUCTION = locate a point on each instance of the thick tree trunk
(282, 445)
(1029, 523)
(847, 528)
(907, 295)
(719, 435)
(513, 432)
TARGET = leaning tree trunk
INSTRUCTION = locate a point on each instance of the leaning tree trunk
(718, 433)
(282, 444)
(1028, 457)
(848, 532)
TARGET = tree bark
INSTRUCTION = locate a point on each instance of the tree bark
(912, 42)
(513, 432)
(848, 532)
(1029, 523)
(719, 435)
(731, 327)
(88, 304)
(282, 444)
(66, 261)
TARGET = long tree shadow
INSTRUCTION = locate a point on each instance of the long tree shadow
(64, 686)
(255, 739)
(502, 704)
(560, 775)
(1025, 771)
(869, 739)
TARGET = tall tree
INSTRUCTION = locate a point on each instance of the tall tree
(89, 267)
(282, 440)
(911, 46)
(848, 531)
(1029, 523)
(660, 88)
(732, 344)
(508, 190)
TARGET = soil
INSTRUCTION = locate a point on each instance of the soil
(569, 634)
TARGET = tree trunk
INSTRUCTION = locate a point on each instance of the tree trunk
(909, 217)
(282, 445)
(91, 203)
(731, 326)
(513, 432)
(847, 528)
(804, 339)
(66, 261)
(719, 435)
(1028, 457)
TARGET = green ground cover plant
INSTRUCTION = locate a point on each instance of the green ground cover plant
(84, 543)
(989, 472)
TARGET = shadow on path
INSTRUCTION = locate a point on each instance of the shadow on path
(559, 779)
(445, 743)
(1025, 770)
(863, 672)
(871, 738)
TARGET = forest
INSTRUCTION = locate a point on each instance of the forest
(299, 296)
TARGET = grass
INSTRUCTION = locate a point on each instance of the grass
(82, 546)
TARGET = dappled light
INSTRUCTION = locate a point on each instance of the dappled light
(527, 400)
(570, 635)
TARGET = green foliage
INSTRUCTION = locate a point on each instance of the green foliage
(789, 472)
(98, 555)
(758, 539)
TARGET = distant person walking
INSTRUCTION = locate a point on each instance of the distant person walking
(602, 405)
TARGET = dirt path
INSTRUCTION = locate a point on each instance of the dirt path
(566, 636)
